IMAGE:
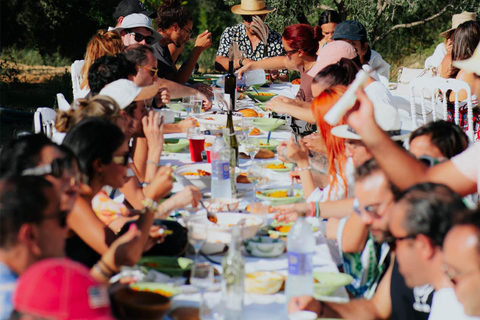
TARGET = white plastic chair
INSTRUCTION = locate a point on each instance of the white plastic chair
(438, 87)
(76, 70)
(62, 103)
(44, 121)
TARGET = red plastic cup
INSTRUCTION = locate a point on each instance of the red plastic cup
(207, 150)
(197, 144)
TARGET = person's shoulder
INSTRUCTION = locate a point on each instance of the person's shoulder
(234, 29)
(6, 274)
(274, 34)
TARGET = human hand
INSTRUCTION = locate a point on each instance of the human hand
(190, 195)
(296, 152)
(289, 212)
(163, 95)
(161, 184)
(108, 257)
(246, 67)
(315, 142)
(204, 40)
(153, 132)
(184, 125)
(278, 104)
(207, 104)
(274, 75)
(300, 303)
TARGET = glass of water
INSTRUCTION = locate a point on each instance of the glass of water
(252, 146)
(197, 106)
(187, 104)
(255, 173)
(197, 233)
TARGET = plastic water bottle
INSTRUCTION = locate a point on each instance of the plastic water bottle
(233, 278)
(300, 250)
(220, 154)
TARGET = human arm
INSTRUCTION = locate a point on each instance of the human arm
(177, 91)
(190, 195)
(203, 42)
(379, 307)
(274, 63)
(329, 209)
(182, 126)
(401, 168)
(296, 108)
(154, 136)
(467, 77)
(355, 234)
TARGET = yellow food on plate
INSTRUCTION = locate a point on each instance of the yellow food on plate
(199, 173)
(164, 293)
(275, 166)
(265, 94)
(248, 112)
(278, 194)
(263, 282)
(254, 132)
(207, 144)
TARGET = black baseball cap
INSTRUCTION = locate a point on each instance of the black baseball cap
(126, 7)
(351, 30)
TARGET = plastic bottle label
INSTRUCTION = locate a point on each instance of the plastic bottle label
(220, 170)
(300, 264)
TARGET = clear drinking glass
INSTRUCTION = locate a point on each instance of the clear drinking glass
(197, 233)
(187, 104)
(201, 277)
(255, 173)
(252, 146)
(197, 106)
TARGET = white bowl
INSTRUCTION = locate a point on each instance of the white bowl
(264, 247)
(263, 282)
(215, 121)
(302, 315)
(202, 182)
(222, 204)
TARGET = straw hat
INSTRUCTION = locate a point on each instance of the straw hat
(252, 7)
(472, 64)
(458, 19)
(388, 119)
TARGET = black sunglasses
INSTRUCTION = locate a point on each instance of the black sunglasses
(122, 160)
(140, 37)
(61, 216)
(392, 240)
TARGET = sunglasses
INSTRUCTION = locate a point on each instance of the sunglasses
(61, 216)
(153, 71)
(122, 160)
(140, 37)
(392, 240)
(56, 169)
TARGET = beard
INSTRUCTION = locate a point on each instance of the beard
(380, 236)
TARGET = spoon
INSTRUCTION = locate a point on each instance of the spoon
(210, 215)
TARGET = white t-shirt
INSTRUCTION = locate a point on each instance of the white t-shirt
(445, 306)
(381, 66)
(468, 163)
(437, 57)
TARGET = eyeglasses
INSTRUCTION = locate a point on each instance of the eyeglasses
(291, 52)
(392, 240)
(455, 278)
(140, 37)
(121, 160)
(153, 71)
(189, 31)
(56, 169)
(61, 216)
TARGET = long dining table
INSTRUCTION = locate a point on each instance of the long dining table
(260, 306)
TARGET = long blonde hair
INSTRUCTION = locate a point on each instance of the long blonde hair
(98, 106)
(102, 44)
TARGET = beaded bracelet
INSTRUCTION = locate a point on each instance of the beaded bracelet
(102, 263)
(304, 169)
(317, 210)
(99, 269)
(149, 204)
(312, 212)
(153, 162)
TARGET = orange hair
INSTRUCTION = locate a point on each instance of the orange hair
(335, 146)
(102, 44)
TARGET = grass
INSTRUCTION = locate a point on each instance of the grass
(32, 57)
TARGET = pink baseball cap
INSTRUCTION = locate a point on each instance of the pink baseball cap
(61, 289)
(331, 53)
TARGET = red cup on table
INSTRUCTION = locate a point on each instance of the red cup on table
(196, 140)
(208, 152)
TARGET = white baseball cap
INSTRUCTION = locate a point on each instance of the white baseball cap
(124, 92)
(388, 119)
(139, 20)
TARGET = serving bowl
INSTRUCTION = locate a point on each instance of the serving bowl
(276, 201)
(202, 182)
(174, 145)
(260, 96)
(264, 247)
(328, 282)
(221, 204)
(141, 305)
(268, 124)
(163, 289)
(272, 144)
(215, 121)
(263, 282)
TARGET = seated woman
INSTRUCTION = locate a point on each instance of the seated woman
(328, 21)
(301, 44)
(102, 153)
(465, 39)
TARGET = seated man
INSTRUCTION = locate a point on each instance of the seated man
(255, 39)
(354, 33)
(137, 28)
(420, 219)
(175, 24)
